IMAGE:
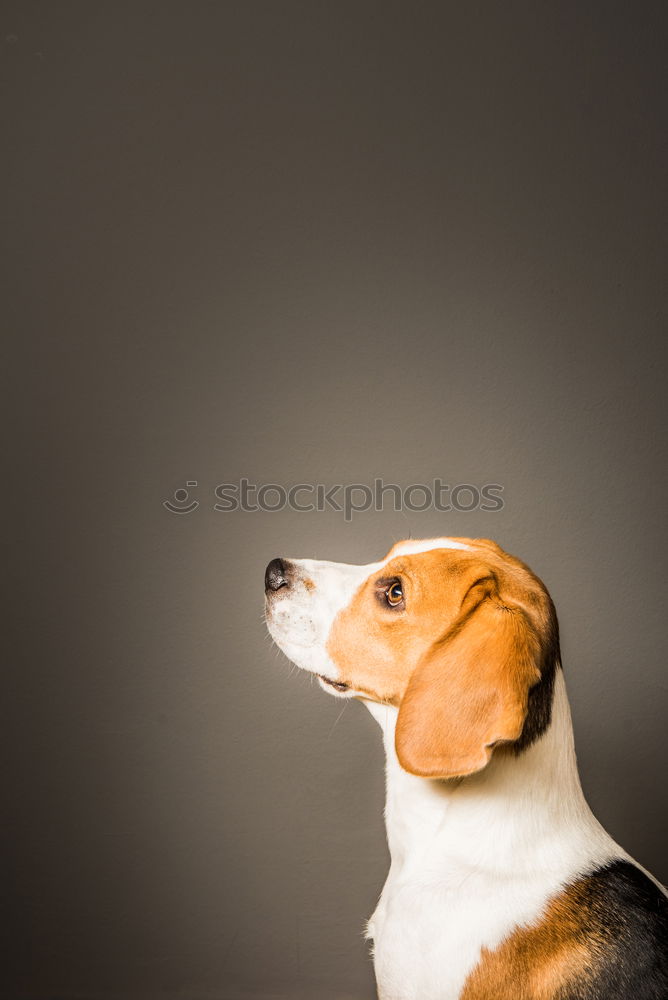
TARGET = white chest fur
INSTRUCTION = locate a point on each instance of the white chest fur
(474, 858)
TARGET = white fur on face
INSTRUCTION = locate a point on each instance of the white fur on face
(300, 616)
(414, 546)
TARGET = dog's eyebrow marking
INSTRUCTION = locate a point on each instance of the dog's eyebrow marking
(414, 548)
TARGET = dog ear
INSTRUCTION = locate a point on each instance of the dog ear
(470, 691)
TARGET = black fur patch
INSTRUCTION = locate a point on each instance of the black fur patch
(626, 928)
(540, 696)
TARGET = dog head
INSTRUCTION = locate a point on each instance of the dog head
(458, 635)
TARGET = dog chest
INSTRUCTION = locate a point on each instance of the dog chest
(428, 932)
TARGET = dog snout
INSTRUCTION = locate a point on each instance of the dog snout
(277, 575)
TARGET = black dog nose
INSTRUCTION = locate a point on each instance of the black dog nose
(276, 575)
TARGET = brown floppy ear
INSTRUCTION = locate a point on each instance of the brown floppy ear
(470, 691)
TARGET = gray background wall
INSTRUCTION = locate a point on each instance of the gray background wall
(305, 242)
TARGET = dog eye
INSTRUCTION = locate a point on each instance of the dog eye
(394, 594)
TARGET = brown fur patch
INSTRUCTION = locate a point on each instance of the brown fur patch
(538, 962)
(474, 622)
(375, 647)
(469, 693)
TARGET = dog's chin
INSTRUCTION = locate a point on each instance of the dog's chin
(309, 658)
(303, 654)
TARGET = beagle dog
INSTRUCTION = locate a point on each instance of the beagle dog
(502, 884)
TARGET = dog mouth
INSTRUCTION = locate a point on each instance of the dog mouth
(337, 685)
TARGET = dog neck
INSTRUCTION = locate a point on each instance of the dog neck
(521, 813)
